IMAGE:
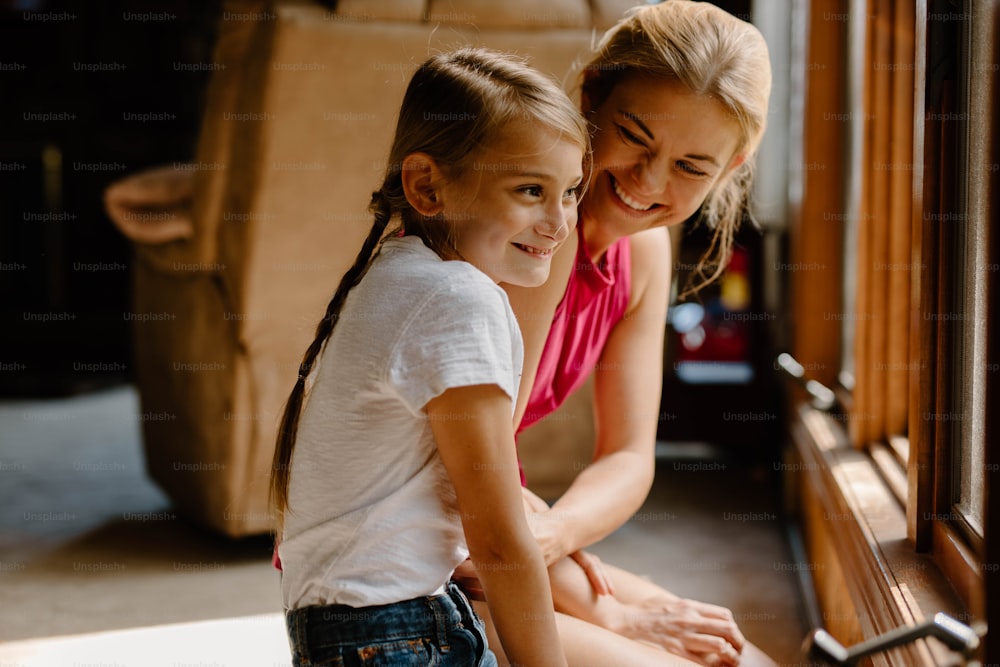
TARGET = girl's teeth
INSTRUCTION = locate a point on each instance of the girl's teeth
(631, 203)
(533, 251)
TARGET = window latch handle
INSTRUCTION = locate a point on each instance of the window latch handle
(956, 635)
(823, 397)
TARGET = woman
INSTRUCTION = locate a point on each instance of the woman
(677, 96)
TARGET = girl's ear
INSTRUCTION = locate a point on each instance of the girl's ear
(422, 178)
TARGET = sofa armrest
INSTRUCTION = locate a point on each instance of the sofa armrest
(152, 206)
(173, 212)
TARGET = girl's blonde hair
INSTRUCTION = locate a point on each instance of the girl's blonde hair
(455, 105)
(711, 53)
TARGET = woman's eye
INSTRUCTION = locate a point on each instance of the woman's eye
(688, 168)
(630, 137)
(532, 190)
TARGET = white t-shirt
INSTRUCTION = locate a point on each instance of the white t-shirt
(373, 517)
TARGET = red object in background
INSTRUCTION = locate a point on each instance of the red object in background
(715, 338)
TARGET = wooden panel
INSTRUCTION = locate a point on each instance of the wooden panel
(862, 389)
(839, 613)
(961, 566)
(882, 359)
(873, 231)
(941, 429)
(854, 532)
(817, 229)
(901, 182)
(923, 338)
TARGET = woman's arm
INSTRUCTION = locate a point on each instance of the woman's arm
(702, 633)
(475, 438)
(627, 386)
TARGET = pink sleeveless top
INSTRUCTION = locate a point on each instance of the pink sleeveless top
(595, 301)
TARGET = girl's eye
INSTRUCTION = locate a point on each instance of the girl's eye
(573, 192)
(532, 190)
(629, 136)
(688, 168)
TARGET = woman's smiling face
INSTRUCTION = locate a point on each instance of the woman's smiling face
(658, 151)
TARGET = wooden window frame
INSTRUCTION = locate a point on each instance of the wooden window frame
(903, 553)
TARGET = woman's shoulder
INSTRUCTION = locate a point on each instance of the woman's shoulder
(650, 245)
(652, 261)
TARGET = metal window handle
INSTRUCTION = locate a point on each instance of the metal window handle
(823, 397)
(956, 635)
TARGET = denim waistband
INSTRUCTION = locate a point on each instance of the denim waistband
(429, 616)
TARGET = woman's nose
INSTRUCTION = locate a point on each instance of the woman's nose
(651, 178)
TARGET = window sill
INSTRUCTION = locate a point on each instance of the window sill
(888, 583)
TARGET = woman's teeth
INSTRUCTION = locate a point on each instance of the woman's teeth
(631, 203)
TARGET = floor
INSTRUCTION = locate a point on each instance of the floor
(96, 569)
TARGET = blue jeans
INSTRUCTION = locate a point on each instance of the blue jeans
(435, 630)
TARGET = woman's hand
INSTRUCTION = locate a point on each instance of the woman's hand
(546, 532)
(702, 632)
(533, 503)
(544, 527)
(543, 530)
(467, 578)
(598, 577)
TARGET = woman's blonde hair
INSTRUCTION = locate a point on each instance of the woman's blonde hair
(711, 53)
(456, 104)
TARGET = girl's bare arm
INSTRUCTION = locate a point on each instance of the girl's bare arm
(475, 438)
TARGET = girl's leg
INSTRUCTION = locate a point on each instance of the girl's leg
(587, 645)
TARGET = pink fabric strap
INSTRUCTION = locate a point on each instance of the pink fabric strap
(595, 301)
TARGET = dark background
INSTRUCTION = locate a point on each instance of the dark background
(65, 280)
(61, 167)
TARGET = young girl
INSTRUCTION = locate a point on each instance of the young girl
(407, 440)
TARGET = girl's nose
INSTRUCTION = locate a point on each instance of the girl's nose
(556, 222)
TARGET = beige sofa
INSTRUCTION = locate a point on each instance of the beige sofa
(237, 253)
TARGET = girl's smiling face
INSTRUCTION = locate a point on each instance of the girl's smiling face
(516, 204)
(659, 149)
